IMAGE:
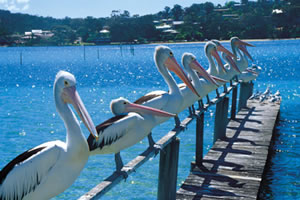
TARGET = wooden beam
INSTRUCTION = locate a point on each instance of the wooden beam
(233, 103)
(246, 90)
(199, 141)
(221, 119)
(168, 167)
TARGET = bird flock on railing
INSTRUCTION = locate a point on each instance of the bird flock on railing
(50, 168)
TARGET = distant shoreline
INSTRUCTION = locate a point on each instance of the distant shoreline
(160, 42)
(199, 42)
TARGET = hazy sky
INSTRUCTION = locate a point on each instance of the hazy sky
(95, 8)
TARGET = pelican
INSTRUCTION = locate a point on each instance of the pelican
(247, 74)
(201, 81)
(230, 66)
(218, 71)
(48, 169)
(240, 59)
(131, 123)
(167, 101)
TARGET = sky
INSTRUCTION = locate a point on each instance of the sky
(94, 8)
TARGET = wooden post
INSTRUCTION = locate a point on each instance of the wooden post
(221, 119)
(168, 166)
(245, 92)
(199, 141)
(98, 53)
(233, 103)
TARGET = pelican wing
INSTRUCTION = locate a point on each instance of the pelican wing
(159, 102)
(111, 130)
(147, 97)
(24, 173)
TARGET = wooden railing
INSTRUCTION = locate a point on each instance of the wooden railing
(168, 164)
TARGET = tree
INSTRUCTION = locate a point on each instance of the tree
(177, 12)
(166, 13)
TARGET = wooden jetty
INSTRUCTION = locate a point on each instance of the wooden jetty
(233, 167)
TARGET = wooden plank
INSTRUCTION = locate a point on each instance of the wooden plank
(234, 166)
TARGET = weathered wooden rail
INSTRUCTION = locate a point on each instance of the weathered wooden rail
(170, 143)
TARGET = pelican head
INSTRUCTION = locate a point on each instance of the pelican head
(211, 49)
(65, 93)
(237, 43)
(190, 63)
(221, 48)
(165, 61)
(122, 106)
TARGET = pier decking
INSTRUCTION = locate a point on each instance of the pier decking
(233, 168)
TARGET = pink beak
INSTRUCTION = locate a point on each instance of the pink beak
(242, 46)
(172, 65)
(233, 64)
(226, 51)
(132, 107)
(219, 61)
(196, 66)
(219, 79)
(71, 96)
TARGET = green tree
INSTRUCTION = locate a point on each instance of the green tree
(177, 12)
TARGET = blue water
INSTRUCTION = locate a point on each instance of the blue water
(28, 116)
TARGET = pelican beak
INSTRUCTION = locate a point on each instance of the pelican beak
(233, 64)
(70, 95)
(219, 79)
(173, 66)
(215, 54)
(132, 107)
(195, 65)
(242, 46)
(226, 51)
(245, 43)
(251, 71)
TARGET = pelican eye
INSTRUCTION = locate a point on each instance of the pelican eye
(124, 102)
(66, 83)
(171, 54)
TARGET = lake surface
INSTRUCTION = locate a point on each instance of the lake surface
(28, 116)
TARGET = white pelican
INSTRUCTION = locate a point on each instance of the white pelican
(219, 70)
(48, 169)
(131, 123)
(230, 66)
(167, 101)
(240, 57)
(202, 81)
